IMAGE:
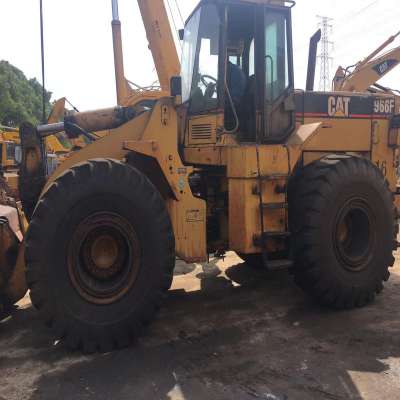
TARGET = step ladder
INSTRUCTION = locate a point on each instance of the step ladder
(262, 239)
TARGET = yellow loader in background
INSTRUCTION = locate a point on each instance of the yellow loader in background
(10, 151)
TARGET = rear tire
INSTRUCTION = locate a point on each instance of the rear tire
(342, 220)
(99, 254)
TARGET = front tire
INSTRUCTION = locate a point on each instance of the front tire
(99, 254)
(343, 228)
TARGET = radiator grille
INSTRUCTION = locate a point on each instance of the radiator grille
(202, 132)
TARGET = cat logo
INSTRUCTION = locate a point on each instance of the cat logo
(383, 67)
(339, 106)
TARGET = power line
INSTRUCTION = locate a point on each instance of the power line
(324, 55)
(354, 14)
(379, 26)
(179, 11)
(44, 116)
(174, 22)
(365, 8)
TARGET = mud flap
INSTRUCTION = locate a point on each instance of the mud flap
(188, 218)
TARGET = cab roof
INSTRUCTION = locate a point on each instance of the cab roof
(277, 3)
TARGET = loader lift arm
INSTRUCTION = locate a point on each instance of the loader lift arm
(161, 40)
(161, 44)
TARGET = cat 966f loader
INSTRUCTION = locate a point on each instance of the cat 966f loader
(234, 158)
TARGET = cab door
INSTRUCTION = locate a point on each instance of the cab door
(201, 71)
(276, 67)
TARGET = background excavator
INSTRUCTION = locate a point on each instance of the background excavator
(364, 75)
(59, 146)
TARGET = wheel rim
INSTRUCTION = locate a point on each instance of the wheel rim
(354, 235)
(103, 258)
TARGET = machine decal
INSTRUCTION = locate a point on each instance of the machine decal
(181, 183)
(182, 171)
(383, 67)
(384, 106)
(339, 106)
(321, 105)
(194, 216)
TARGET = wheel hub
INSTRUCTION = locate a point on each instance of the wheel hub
(354, 235)
(104, 252)
(103, 258)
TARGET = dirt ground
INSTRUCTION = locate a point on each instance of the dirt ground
(226, 332)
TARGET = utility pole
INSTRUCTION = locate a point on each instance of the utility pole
(324, 55)
(44, 117)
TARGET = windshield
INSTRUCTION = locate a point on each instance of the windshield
(189, 54)
(200, 59)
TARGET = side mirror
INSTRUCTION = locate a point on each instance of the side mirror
(181, 34)
(176, 86)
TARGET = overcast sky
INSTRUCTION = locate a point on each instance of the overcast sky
(79, 55)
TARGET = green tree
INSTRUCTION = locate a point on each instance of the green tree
(20, 98)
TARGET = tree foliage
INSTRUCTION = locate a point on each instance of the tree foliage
(20, 98)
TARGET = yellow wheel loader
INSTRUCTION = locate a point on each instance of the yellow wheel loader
(233, 159)
(59, 147)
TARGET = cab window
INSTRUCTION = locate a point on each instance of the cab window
(10, 151)
(276, 55)
(189, 54)
(200, 60)
(240, 108)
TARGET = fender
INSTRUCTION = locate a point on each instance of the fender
(110, 146)
(188, 213)
(154, 134)
(315, 140)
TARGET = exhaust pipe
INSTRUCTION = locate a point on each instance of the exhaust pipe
(120, 80)
(115, 13)
(312, 60)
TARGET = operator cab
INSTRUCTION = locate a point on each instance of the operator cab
(237, 71)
